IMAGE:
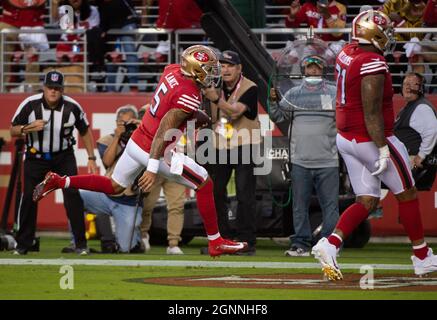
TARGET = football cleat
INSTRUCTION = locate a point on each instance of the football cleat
(425, 266)
(51, 182)
(221, 246)
(326, 253)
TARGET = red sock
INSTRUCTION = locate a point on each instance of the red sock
(335, 240)
(206, 206)
(409, 216)
(351, 218)
(421, 251)
(92, 182)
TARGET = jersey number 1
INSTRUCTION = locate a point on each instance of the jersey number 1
(341, 80)
(157, 98)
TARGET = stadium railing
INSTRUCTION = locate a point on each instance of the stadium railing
(148, 42)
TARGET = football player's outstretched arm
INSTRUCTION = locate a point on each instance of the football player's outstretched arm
(372, 89)
(173, 119)
(371, 97)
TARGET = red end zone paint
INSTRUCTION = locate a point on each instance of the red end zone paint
(351, 281)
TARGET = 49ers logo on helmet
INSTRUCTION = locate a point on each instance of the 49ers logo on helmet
(201, 56)
(379, 20)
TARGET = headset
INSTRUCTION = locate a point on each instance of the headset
(422, 81)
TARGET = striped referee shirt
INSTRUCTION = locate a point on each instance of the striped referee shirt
(58, 132)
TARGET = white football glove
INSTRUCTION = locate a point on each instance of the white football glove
(382, 163)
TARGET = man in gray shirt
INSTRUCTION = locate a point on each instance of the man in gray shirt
(310, 110)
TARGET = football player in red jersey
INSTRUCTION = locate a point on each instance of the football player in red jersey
(365, 118)
(176, 100)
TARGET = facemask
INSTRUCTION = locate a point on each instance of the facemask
(313, 81)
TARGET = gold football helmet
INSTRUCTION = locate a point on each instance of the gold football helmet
(374, 27)
(201, 63)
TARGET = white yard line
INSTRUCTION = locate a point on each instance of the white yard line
(202, 264)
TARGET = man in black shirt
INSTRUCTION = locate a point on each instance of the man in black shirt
(234, 112)
(47, 121)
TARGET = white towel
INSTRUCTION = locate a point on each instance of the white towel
(413, 47)
(177, 163)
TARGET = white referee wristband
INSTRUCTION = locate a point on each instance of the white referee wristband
(153, 165)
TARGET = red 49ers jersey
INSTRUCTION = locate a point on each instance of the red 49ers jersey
(173, 91)
(352, 65)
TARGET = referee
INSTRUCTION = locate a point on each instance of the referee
(47, 121)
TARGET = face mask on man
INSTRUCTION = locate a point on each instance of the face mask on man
(313, 80)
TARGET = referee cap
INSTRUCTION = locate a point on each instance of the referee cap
(54, 79)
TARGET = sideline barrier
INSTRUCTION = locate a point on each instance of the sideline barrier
(100, 110)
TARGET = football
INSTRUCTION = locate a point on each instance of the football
(202, 119)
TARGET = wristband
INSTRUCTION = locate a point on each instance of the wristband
(153, 165)
(92, 158)
(384, 152)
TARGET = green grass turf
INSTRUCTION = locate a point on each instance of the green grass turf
(105, 282)
(267, 250)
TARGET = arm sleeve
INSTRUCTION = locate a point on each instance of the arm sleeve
(81, 122)
(280, 112)
(103, 143)
(277, 114)
(250, 100)
(373, 64)
(424, 121)
(187, 100)
(101, 148)
(21, 116)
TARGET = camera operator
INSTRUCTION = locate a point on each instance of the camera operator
(121, 206)
(416, 127)
(309, 109)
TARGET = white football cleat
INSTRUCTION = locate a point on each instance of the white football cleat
(326, 253)
(427, 265)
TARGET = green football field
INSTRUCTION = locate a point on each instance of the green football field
(123, 276)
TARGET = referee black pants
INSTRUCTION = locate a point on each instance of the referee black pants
(34, 172)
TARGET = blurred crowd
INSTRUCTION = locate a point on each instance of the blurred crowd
(124, 62)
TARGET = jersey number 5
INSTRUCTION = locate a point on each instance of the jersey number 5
(162, 90)
(341, 82)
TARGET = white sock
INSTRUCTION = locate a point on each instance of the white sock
(67, 182)
(214, 236)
